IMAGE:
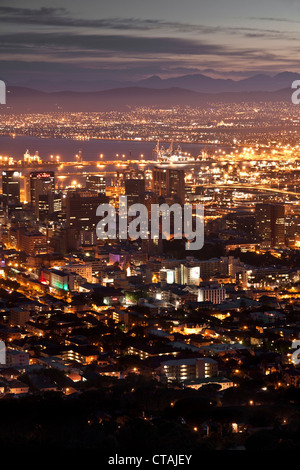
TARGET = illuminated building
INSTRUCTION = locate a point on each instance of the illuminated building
(47, 205)
(41, 182)
(96, 183)
(169, 183)
(134, 190)
(211, 292)
(223, 382)
(129, 174)
(32, 158)
(58, 279)
(81, 207)
(80, 354)
(270, 219)
(32, 242)
(16, 358)
(18, 317)
(82, 269)
(171, 155)
(10, 187)
(180, 370)
(87, 238)
(189, 275)
(167, 275)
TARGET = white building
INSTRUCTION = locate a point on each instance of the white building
(84, 270)
(190, 369)
(212, 293)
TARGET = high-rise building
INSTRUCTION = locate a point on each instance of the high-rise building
(188, 274)
(41, 182)
(169, 183)
(135, 191)
(10, 187)
(48, 205)
(129, 174)
(270, 224)
(96, 183)
(27, 192)
(32, 242)
(81, 208)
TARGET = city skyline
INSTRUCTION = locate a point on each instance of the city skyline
(149, 228)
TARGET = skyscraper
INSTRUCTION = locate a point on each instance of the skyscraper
(48, 205)
(10, 187)
(169, 183)
(270, 223)
(41, 182)
(135, 191)
(81, 208)
(96, 183)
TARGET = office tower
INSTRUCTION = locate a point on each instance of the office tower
(41, 182)
(270, 223)
(135, 191)
(10, 187)
(279, 225)
(168, 186)
(130, 174)
(31, 242)
(169, 183)
(27, 192)
(96, 183)
(87, 238)
(48, 205)
(81, 207)
(189, 275)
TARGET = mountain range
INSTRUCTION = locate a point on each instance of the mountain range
(27, 100)
(193, 82)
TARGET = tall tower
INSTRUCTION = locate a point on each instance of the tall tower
(270, 220)
(169, 183)
(96, 183)
(10, 187)
(41, 182)
(135, 191)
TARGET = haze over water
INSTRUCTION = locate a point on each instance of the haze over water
(91, 149)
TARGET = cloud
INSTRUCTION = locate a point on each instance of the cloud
(60, 17)
(118, 56)
(273, 19)
(120, 43)
(140, 47)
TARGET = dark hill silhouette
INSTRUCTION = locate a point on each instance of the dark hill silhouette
(25, 100)
(194, 82)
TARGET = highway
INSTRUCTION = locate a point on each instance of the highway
(253, 188)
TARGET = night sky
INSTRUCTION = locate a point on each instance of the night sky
(92, 40)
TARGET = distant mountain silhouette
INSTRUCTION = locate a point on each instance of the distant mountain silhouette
(205, 84)
(26, 100)
(193, 82)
